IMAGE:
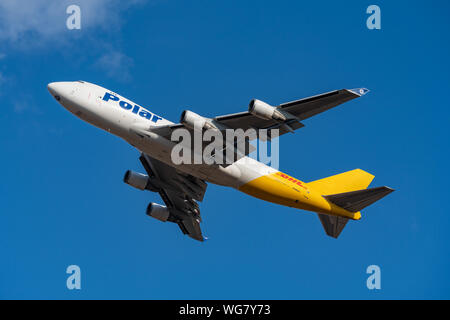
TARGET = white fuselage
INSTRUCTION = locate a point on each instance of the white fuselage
(122, 117)
(139, 127)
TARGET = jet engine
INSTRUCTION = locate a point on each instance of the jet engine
(191, 119)
(158, 211)
(265, 111)
(137, 180)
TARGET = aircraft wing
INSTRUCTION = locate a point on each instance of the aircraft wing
(180, 192)
(293, 112)
(301, 109)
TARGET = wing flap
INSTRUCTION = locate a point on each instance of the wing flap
(191, 227)
(178, 181)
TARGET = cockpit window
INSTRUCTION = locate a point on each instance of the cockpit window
(80, 81)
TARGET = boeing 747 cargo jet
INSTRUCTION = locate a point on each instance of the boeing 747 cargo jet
(335, 199)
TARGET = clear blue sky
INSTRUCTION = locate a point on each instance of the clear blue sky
(63, 201)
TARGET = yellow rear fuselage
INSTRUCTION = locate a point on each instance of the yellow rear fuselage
(285, 190)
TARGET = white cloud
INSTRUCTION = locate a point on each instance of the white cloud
(2, 78)
(28, 25)
(2, 81)
(115, 64)
(24, 103)
(19, 107)
(43, 20)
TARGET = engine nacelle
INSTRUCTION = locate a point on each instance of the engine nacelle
(137, 180)
(191, 119)
(158, 211)
(265, 111)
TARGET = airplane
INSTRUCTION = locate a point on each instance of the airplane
(336, 199)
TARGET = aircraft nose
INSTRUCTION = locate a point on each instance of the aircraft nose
(59, 89)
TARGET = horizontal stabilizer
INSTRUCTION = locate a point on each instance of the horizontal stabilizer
(355, 201)
(333, 225)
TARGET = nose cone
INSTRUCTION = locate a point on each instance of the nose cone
(60, 89)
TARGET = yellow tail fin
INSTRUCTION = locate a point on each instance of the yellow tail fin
(344, 182)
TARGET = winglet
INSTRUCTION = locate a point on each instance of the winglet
(359, 91)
